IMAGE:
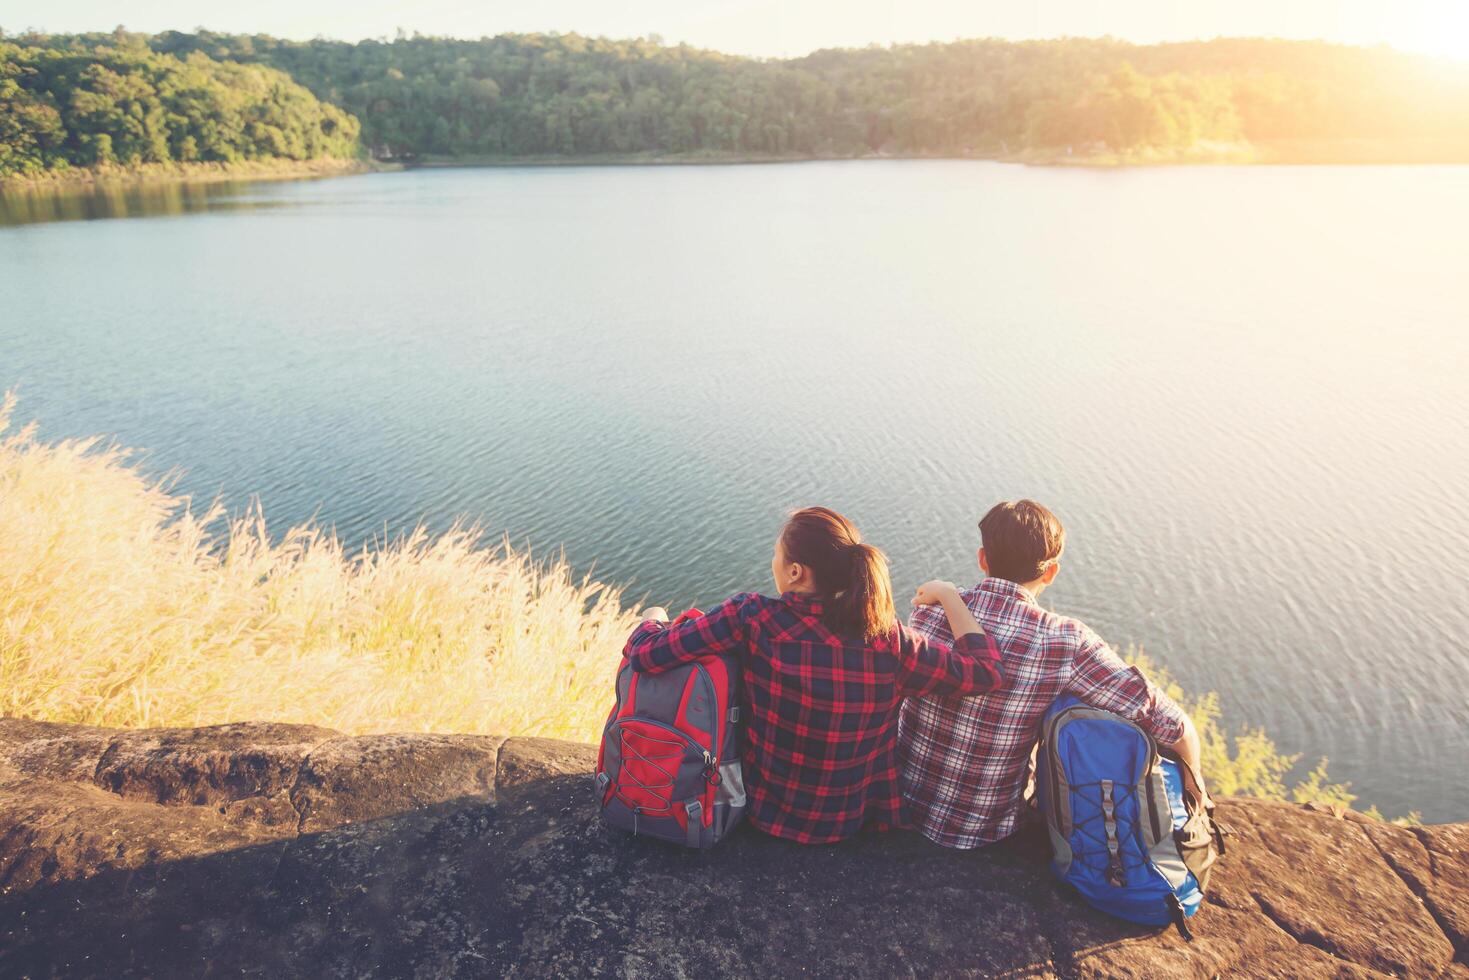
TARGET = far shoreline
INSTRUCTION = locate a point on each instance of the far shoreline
(1275, 152)
(77, 178)
(706, 159)
(1441, 152)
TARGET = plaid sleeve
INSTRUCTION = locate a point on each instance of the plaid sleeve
(1102, 680)
(656, 646)
(931, 623)
(927, 667)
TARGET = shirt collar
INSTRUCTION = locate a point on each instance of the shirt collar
(1005, 587)
(807, 601)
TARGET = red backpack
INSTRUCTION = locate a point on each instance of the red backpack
(669, 765)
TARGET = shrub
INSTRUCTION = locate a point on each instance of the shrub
(1248, 763)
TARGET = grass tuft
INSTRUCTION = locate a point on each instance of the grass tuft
(122, 606)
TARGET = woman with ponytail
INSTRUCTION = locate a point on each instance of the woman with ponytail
(826, 668)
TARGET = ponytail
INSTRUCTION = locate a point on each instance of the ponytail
(865, 607)
(853, 575)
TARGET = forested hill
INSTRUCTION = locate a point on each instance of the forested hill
(567, 96)
(66, 106)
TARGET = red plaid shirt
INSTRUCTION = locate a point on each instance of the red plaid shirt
(820, 750)
(966, 761)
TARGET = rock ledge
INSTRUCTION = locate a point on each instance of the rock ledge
(271, 849)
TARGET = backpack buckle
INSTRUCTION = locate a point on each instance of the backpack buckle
(694, 814)
(1116, 873)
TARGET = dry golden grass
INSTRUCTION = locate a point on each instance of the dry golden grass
(121, 606)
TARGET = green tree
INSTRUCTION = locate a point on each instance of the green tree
(243, 97)
(116, 101)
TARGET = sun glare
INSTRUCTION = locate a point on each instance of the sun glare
(1442, 31)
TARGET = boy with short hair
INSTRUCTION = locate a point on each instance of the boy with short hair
(966, 761)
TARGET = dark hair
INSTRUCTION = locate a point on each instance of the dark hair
(1020, 539)
(853, 575)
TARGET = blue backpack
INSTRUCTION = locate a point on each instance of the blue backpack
(1123, 831)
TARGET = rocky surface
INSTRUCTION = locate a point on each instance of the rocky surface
(287, 850)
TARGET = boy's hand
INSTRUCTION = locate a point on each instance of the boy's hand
(934, 593)
(657, 613)
(1197, 788)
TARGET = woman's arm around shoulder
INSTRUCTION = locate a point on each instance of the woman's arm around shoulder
(655, 645)
(970, 666)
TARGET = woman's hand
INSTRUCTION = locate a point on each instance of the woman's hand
(657, 613)
(934, 593)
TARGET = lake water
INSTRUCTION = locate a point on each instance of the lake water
(1242, 389)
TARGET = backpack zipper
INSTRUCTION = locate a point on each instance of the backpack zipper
(685, 737)
(714, 702)
(711, 759)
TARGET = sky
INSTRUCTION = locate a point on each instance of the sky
(780, 28)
